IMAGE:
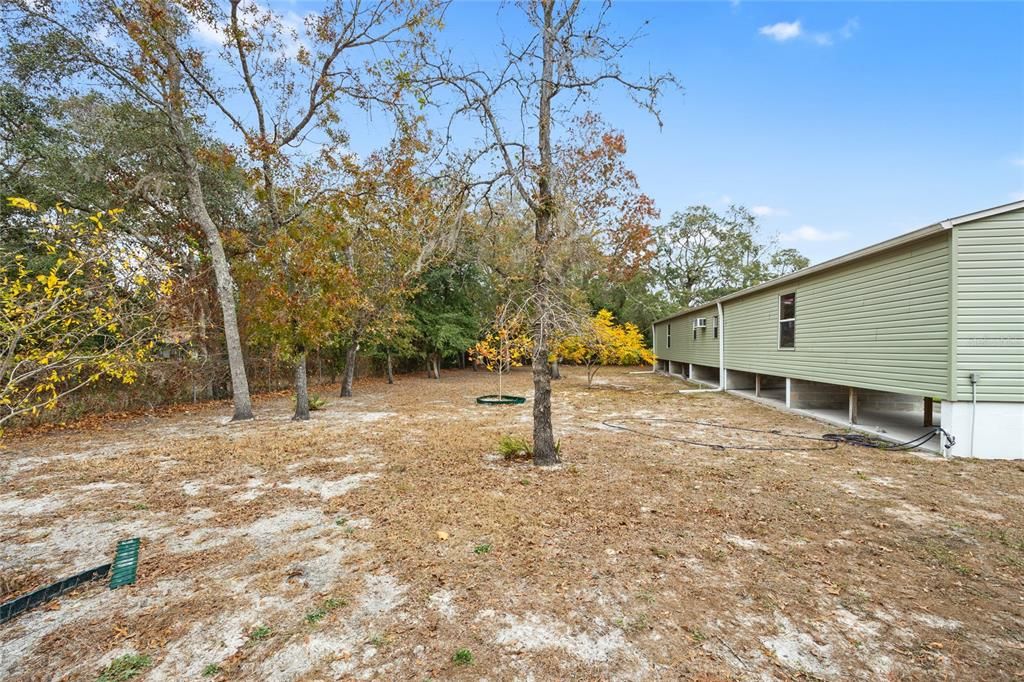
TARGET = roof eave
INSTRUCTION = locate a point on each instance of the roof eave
(895, 242)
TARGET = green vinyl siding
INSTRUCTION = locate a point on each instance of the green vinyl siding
(881, 322)
(989, 315)
(702, 351)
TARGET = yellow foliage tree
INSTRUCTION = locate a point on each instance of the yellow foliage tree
(507, 345)
(602, 342)
(77, 304)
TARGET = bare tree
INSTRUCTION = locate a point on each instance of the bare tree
(570, 53)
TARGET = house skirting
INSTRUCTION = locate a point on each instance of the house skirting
(987, 430)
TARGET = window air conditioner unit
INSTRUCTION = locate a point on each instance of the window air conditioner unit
(700, 323)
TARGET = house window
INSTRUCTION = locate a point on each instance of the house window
(787, 321)
(695, 330)
(669, 334)
(714, 325)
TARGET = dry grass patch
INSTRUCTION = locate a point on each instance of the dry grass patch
(636, 558)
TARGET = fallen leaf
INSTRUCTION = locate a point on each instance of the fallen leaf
(441, 535)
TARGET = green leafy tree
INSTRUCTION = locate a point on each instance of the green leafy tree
(702, 254)
(445, 313)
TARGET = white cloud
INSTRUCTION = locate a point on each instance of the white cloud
(782, 31)
(849, 28)
(768, 211)
(290, 25)
(809, 233)
(208, 32)
(1018, 161)
(790, 30)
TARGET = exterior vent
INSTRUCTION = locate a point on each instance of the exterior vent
(700, 323)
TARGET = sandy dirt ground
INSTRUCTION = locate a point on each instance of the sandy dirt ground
(384, 536)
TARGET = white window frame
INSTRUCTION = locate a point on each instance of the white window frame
(786, 319)
(668, 337)
(714, 326)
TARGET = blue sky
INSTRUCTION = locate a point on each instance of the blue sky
(840, 124)
(843, 123)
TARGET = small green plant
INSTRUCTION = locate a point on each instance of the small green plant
(125, 667)
(463, 657)
(631, 624)
(259, 633)
(211, 670)
(140, 506)
(482, 549)
(947, 558)
(1004, 538)
(697, 636)
(514, 447)
(380, 641)
(319, 613)
(646, 597)
(340, 521)
(316, 402)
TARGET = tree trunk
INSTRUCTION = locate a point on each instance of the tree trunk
(390, 370)
(301, 390)
(350, 370)
(556, 372)
(199, 213)
(544, 453)
(437, 366)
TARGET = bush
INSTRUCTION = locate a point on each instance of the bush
(515, 447)
(316, 402)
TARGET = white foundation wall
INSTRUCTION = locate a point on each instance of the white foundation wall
(998, 429)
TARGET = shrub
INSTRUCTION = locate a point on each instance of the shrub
(463, 657)
(515, 447)
(316, 402)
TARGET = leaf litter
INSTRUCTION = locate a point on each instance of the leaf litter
(635, 559)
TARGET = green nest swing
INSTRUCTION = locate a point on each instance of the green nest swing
(501, 400)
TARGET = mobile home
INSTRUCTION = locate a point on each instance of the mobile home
(922, 330)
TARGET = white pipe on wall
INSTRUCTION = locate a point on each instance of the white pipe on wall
(721, 347)
(974, 409)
